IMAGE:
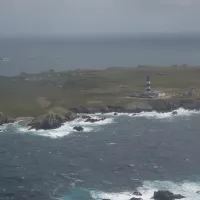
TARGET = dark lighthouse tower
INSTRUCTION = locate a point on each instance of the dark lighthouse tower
(148, 84)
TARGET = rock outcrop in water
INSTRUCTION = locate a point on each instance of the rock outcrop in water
(78, 128)
(135, 198)
(51, 120)
(136, 193)
(93, 120)
(174, 113)
(166, 195)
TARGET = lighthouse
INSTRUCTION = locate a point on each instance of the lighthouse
(148, 84)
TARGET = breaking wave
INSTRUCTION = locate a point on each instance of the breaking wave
(179, 113)
(62, 131)
(67, 128)
(187, 189)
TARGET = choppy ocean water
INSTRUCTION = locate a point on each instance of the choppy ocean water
(108, 160)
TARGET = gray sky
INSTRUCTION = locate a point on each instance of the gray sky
(97, 17)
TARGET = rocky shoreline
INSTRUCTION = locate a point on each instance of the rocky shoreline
(159, 105)
(159, 195)
(55, 120)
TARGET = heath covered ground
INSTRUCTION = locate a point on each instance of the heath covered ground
(35, 94)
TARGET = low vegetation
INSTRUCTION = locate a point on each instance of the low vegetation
(34, 94)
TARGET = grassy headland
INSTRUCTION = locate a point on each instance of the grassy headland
(34, 94)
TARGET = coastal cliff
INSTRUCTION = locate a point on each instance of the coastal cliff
(51, 120)
(55, 120)
(160, 105)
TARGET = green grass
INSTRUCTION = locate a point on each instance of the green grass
(80, 87)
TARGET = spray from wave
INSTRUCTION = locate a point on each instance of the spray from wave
(62, 131)
(67, 128)
(156, 115)
(176, 113)
(187, 189)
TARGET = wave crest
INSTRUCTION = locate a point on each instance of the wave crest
(187, 189)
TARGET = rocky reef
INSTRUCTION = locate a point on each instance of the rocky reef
(51, 120)
(158, 195)
(166, 195)
(55, 120)
(78, 128)
(160, 105)
(92, 120)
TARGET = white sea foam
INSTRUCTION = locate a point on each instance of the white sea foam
(180, 113)
(156, 115)
(66, 128)
(3, 127)
(187, 189)
(112, 196)
(115, 114)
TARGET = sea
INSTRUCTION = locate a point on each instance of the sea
(34, 55)
(109, 159)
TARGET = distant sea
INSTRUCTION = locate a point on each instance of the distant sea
(35, 55)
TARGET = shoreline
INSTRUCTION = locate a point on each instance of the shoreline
(56, 120)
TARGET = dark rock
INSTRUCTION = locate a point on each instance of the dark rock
(164, 105)
(86, 117)
(93, 120)
(174, 113)
(189, 104)
(102, 109)
(3, 119)
(178, 196)
(137, 107)
(134, 198)
(117, 109)
(198, 192)
(166, 195)
(87, 110)
(78, 128)
(51, 120)
(47, 121)
(69, 116)
(134, 114)
(136, 193)
(115, 114)
(159, 105)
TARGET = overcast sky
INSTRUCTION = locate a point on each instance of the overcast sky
(97, 17)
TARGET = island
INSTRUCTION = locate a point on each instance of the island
(51, 98)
